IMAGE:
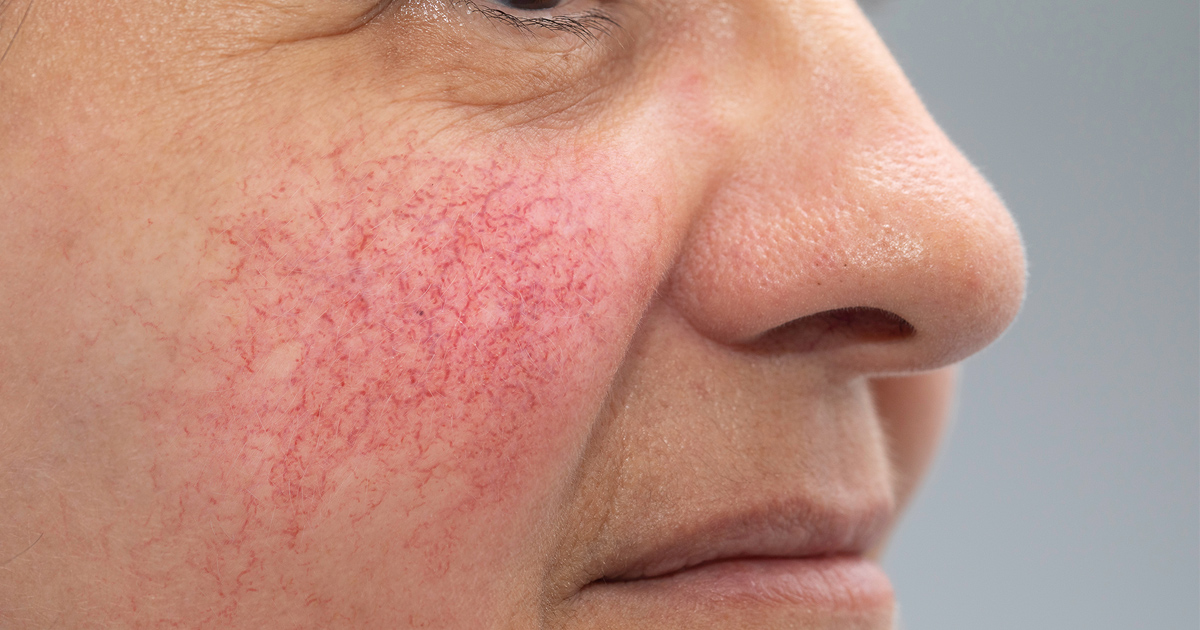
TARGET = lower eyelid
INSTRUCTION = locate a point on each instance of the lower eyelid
(537, 74)
(588, 26)
(557, 4)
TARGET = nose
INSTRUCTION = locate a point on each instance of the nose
(839, 218)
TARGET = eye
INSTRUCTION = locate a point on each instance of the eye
(531, 5)
(547, 16)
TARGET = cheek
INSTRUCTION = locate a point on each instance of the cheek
(426, 335)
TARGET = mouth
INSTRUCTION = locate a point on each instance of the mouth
(792, 557)
(843, 583)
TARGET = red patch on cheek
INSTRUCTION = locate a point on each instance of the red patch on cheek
(429, 333)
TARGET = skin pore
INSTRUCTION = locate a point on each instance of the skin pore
(346, 314)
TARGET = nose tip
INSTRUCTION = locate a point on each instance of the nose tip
(852, 203)
(897, 277)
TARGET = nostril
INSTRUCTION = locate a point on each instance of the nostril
(831, 329)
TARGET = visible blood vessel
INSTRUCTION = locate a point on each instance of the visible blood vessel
(387, 353)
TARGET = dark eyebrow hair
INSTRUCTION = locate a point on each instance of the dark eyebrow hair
(4, 5)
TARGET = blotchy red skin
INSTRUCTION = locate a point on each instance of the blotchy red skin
(390, 367)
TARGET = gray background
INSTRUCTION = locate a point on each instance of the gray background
(1067, 495)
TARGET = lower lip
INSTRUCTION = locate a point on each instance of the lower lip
(843, 583)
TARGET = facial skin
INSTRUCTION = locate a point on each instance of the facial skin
(331, 314)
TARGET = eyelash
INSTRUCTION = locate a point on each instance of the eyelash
(589, 26)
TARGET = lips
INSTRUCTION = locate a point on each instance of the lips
(801, 553)
(798, 530)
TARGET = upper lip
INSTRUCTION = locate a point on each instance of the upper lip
(791, 529)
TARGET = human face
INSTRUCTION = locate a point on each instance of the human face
(604, 314)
